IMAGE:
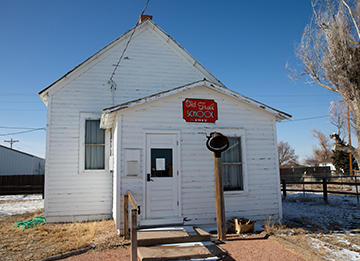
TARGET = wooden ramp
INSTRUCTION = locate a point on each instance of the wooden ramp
(176, 243)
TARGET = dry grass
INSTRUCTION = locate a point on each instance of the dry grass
(303, 239)
(316, 242)
(349, 240)
(322, 245)
(53, 239)
(272, 227)
(298, 236)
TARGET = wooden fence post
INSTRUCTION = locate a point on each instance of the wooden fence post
(219, 199)
(325, 190)
(283, 181)
(134, 235)
(126, 216)
(303, 188)
(357, 190)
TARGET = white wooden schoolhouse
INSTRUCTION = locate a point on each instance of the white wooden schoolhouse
(144, 129)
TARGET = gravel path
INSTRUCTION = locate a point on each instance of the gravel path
(253, 248)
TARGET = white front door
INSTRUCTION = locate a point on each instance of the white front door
(161, 176)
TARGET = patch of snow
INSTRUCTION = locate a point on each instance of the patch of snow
(18, 204)
(339, 213)
(336, 220)
(20, 197)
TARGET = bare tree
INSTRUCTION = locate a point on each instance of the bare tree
(287, 155)
(311, 161)
(330, 54)
(340, 114)
(322, 152)
(336, 116)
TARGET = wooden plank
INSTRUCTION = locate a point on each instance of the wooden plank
(133, 202)
(134, 235)
(181, 251)
(126, 216)
(169, 235)
(219, 196)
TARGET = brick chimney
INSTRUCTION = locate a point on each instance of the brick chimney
(144, 16)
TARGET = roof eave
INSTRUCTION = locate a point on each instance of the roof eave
(107, 121)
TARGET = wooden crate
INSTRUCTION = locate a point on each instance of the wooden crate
(242, 225)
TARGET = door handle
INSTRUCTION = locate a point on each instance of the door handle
(149, 178)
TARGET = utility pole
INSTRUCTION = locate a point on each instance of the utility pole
(11, 142)
(349, 130)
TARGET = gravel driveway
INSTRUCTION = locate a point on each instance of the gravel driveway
(251, 248)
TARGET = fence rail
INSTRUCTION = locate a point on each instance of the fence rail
(322, 185)
(133, 229)
(21, 184)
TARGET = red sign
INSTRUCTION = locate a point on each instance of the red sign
(199, 110)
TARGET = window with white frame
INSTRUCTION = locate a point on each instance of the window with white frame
(232, 165)
(94, 145)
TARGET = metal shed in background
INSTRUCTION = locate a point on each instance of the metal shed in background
(14, 162)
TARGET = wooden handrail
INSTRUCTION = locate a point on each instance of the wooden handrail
(134, 212)
(133, 201)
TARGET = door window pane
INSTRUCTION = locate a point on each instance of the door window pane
(161, 163)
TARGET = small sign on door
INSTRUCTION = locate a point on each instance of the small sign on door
(160, 164)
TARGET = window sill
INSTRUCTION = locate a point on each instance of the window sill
(235, 193)
(94, 172)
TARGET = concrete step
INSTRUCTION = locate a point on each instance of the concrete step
(181, 251)
(170, 235)
(176, 243)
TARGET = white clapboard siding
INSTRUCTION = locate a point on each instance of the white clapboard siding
(153, 63)
(197, 174)
(141, 74)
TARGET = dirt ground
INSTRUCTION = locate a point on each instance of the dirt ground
(249, 248)
(54, 239)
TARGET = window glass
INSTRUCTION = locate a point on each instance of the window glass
(94, 145)
(161, 163)
(232, 166)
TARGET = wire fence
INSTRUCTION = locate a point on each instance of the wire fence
(319, 183)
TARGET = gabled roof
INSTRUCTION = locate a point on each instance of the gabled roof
(144, 24)
(108, 114)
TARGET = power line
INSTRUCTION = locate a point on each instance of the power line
(23, 109)
(17, 94)
(291, 95)
(21, 101)
(305, 119)
(22, 132)
(111, 81)
(17, 128)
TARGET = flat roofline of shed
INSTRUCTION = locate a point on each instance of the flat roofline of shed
(27, 154)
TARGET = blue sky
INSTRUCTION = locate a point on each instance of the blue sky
(245, 44)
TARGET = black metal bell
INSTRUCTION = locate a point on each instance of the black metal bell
(217, 143)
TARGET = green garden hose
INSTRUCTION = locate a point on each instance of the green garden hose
(31, 223)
